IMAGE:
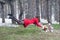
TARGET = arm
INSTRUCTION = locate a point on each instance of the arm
(44, 27)
(36, 21)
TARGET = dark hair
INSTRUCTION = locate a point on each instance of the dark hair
(38, 18)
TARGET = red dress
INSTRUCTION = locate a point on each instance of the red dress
(31, 21)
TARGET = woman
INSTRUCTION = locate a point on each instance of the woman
(27, 22)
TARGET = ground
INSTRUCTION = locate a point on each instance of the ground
(30, 33)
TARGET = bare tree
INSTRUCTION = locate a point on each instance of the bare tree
(12, 10)
(31, 9)
(59, 11)
(10, 2)
(37, 9)
(2, 8)
(49, 11)
(21, 10)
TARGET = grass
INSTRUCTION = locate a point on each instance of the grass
(30, 33)
(56, 26)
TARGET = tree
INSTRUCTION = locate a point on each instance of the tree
(21, 10)
(12, 10)
(49, 11)
(2, 8)
(10, 2)
(59, 11)
(37, 9)
(31, 9)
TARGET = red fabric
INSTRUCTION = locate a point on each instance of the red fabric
(32, 21)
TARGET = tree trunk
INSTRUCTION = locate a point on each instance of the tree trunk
(31, 9)
(59, 11)
(37, 9)
(21, 10)
(2, 8)
(48, 14)
(12, 9)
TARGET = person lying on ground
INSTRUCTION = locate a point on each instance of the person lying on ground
(26, 22)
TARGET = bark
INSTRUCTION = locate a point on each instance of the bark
(21, 10)
(10, 2)
(48, 12)
(37, 9)
(59, 11)
(2, 9)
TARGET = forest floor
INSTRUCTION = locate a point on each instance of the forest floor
(29, 33)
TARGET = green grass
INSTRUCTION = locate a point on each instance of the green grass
(29, 33)
(56, 26)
